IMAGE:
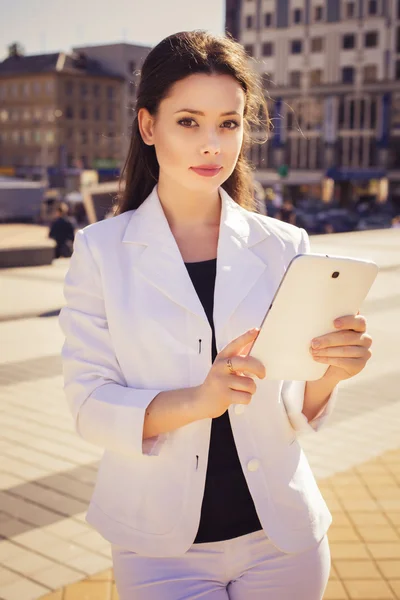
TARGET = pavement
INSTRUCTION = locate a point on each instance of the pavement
(47, 472)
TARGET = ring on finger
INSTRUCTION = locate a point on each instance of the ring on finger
(230, 367)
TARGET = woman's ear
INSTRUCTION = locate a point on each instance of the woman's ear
(146, 126)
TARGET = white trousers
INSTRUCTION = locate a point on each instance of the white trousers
(246, 568)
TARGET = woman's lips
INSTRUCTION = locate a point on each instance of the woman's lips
(206, 172)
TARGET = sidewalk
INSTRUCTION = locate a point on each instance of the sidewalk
(47, 471)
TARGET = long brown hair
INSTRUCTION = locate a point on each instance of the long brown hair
(173, 59)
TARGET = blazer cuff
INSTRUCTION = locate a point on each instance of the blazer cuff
(113, 417)
(293, 400)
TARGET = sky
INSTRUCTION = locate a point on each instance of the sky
(50, 25)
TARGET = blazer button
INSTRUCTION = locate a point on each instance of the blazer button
(239, 409)
(253, 464)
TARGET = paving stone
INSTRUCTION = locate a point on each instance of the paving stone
(335, 591)
(89, 563)
(27, 562)
(390, 568)
(357, 569)
(369, 590)
(56, 576)
(384, 550)
(88, 590)
(23, 589)
(378, 533)
(350, 550)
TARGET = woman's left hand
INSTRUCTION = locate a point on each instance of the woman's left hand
(346, 350)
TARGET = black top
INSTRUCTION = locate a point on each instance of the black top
(228, 509)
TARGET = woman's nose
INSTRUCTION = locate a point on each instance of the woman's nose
(211, 144)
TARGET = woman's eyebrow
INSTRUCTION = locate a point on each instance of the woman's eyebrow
(198, 112)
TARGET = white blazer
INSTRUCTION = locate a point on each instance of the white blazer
(132, 324)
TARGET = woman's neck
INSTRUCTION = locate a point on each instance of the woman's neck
(185, 209)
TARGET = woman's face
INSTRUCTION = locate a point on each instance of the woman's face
(199, 124)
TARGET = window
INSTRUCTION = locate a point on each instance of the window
(398, 41)
(37, 88)
(350, 10)
(268, 19)
(297, 16)
(49, 87)
(318, 13)
(83, 113)
(97, 113)
(110, 92)
(96, 90)
(110, 113)
(84, 137)
(316, 77)
(249, 48)
(249, 22)
(371, 39)
(373, 7)
(295, 78)
(398, 9)
(84, 89)
(268, 49)
(348, 74)
(397, 69)
(297, 46)
(317, 44)
(50, 137)
(373, 114)
(69, 113)
(349, 41)
(69, 88)
(370, 73)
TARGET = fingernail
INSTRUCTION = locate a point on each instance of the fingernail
(338, 323)
(315, 344)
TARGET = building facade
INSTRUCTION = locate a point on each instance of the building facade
(58, 113)
(126, 60)
(331, 70)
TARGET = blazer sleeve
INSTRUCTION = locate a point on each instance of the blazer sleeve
(106, 411)
(293, 391)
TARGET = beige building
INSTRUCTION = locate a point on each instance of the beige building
(57, 112)
(332, 75)
(126, 60)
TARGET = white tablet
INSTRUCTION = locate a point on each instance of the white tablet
(315, 290)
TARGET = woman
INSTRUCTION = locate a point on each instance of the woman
(203, 489)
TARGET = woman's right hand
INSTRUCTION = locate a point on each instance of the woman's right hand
(222, 388)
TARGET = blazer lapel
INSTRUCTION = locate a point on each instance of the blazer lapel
(160, 262)
(238, 268)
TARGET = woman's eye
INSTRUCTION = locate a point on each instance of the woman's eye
(233, 124)
(186, 122)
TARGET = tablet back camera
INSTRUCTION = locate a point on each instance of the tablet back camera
(335, 274)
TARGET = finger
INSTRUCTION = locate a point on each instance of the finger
(356, 323)
(240, 397)
(342, 351)
(246, 364)
(342, 338)
(236, 345)
(350, 365)
(242, 384)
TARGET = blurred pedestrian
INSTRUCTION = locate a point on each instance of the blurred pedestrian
(287, 213)
(396, 221)
(197, 499)
(62, 231)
